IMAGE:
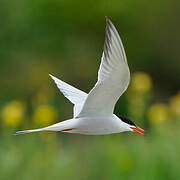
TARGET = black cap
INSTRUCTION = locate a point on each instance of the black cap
(126, 120)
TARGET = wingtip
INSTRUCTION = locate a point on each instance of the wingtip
(108, 21)
(51, 76)
(107, 18)
(54, 78)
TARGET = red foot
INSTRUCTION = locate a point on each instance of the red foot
(67, 129)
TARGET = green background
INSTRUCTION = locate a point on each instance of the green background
(65, 38)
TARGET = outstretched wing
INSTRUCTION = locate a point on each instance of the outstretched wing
(76, 96)
(113, 76)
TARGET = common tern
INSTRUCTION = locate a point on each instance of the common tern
(93, 112)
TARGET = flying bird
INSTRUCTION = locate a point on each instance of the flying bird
(93, 112)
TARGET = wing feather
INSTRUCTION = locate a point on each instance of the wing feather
(113, 76)
(74, 95)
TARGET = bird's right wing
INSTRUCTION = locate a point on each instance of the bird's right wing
(76, 96)
(113, 77)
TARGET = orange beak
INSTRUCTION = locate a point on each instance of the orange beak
(138, 128)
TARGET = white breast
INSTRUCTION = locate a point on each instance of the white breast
(98, 125)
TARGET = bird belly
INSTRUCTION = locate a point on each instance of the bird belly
(96, 126)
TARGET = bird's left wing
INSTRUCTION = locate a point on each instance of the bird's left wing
(113, 77)
(76, 96)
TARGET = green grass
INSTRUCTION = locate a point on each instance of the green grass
(66, 156)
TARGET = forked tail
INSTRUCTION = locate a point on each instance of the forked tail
(62, 126)
(29, 131)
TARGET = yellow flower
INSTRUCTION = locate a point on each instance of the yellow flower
(175, 104)
(45, 115)
(13, 113)
(158, 113)
(141, 82)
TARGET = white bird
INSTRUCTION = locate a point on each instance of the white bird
(93, 112)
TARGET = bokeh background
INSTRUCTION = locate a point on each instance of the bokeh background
(65, 38)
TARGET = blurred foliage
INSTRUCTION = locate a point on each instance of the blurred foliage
(65, 38)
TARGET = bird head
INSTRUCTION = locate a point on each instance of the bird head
(131, 126)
